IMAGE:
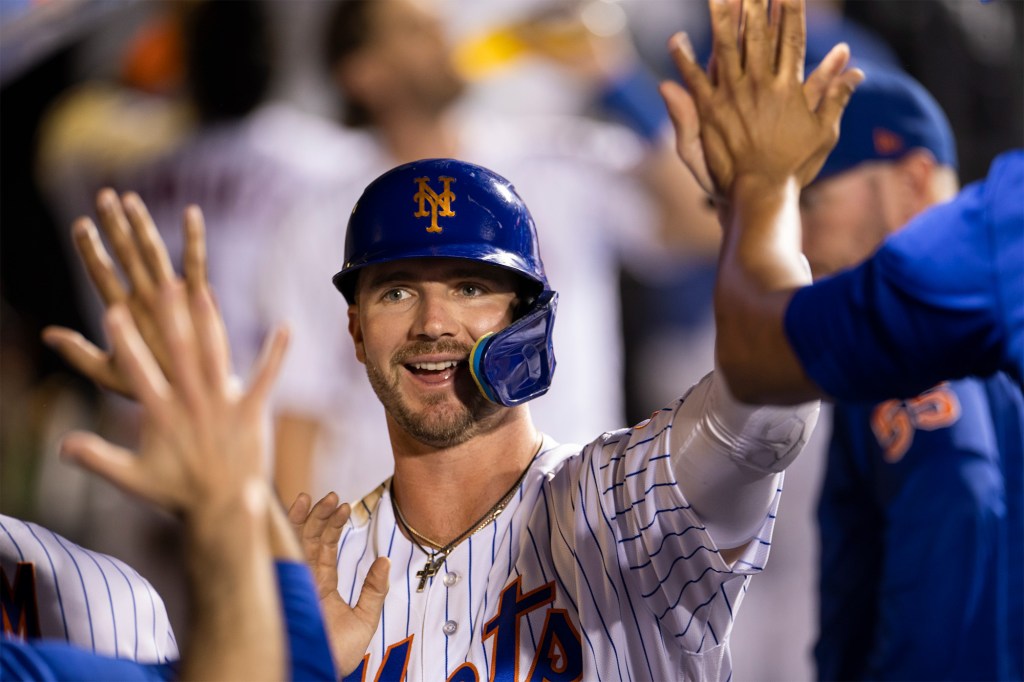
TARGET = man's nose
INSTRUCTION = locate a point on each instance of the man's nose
(435, 317)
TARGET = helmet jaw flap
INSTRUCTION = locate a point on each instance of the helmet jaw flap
(517, 363)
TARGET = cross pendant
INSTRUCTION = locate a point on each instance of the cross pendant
(430, 569)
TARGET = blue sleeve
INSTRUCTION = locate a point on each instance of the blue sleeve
(943, 298)
(307, 639)
(44, 661)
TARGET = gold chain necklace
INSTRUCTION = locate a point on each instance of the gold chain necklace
(437, 553)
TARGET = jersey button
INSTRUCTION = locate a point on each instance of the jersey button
(451, 578)
(450, 627)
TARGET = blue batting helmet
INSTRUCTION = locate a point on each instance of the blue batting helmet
(441, 208)
(444, 208)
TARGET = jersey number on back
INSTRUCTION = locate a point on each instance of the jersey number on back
(895, 421)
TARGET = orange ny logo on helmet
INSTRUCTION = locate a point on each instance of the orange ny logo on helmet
(440, 204)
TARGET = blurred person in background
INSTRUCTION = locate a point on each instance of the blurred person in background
(395, 69)
(931, 480)
(968, 55)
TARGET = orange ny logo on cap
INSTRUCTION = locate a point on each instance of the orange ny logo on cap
(887, 142)
(440, 204)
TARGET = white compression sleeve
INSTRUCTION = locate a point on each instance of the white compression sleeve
(728, 456)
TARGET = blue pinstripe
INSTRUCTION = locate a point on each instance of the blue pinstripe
(561, 583)
(110, 600)
(352, 588)
(21, 555)
(622, 577)
(85, 593)
(56, 584)
(694, 614)
(661, 546)
(611, 582)
(135, 606)
(693, 581)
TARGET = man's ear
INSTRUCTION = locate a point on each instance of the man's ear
(356, 330)
(917, 173)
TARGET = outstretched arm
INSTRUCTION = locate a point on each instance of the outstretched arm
(754, 133)
(202, 446)
(201, 458)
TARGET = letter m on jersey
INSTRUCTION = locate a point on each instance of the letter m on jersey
(18, 602)
(440, 204)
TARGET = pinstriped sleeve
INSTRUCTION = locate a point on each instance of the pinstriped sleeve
(672, 563)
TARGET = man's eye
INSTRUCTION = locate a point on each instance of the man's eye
(392, 295)
(471, 290)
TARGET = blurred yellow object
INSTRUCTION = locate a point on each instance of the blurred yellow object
(565, 33)
(487, 52)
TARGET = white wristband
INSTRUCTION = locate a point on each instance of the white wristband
(765, 438)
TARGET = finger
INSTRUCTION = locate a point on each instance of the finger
(212, 338)
(268, 365)
(837, 97)
(85, 357)
(831, 66)
(792, 40)
(113, 463)
(316, 520)
(175, 322)
(134, 359)
(299, 510)
(115, 225)
(331, 535)
(683, 113)
(97, 262)
(370, 603)
(758, 52)
(724, 31)
(151, 246)
(194, 265)
(681, 50)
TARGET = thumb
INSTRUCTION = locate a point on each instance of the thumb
(370, 604)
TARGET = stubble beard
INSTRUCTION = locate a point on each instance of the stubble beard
(444, 421)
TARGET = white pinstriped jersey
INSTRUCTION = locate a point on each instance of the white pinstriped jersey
(55, 589)
(598, 569)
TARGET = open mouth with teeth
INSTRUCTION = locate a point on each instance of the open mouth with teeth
(434, 372)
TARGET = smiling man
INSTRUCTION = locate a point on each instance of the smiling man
(512, 555)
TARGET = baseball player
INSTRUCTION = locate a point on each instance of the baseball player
(941, 299)
(933, 480)
(55, 589)
(417, 106)
(513, 556)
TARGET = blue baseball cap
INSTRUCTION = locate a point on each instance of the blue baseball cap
(889, 115)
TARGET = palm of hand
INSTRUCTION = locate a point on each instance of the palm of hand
(349, 628)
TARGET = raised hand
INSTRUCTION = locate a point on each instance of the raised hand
(348, 628)
(202, 433)
(751, 113)
(146, 268)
